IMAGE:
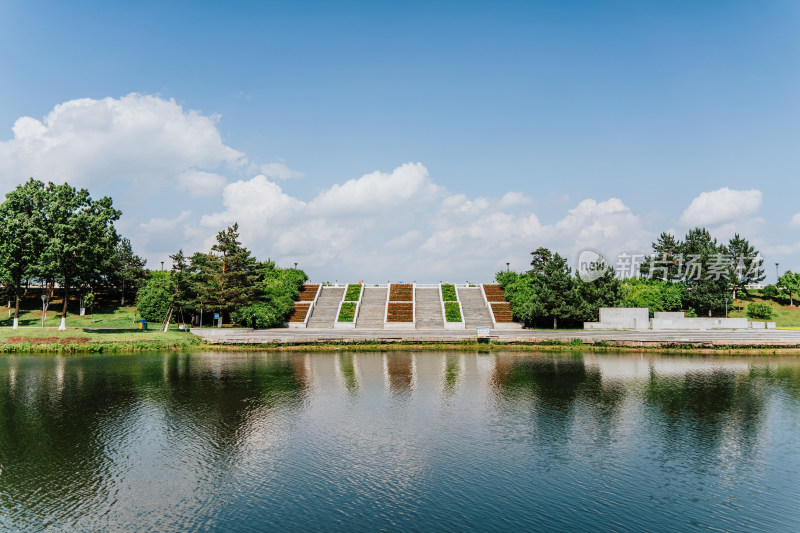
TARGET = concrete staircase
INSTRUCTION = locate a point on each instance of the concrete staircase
(428, 309)
(373, 307)
(324, 313)
(476, 314)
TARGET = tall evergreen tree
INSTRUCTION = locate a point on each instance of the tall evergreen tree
(128, 273)
(746, 264)
(664, 263)
(605, 291)
(227, 274)
(556, 297)
(705, 272)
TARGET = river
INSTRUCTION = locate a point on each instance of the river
(430, 441)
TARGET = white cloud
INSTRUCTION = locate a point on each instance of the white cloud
(795, 223)
(721, 206)
(398, 225)
(143, 139)
(407, 186)
(279, 171)
(403, 226)
(199, 183)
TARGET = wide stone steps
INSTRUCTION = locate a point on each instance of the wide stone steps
(428, 309)
(476, 314)
(373, 306)
(324, 313)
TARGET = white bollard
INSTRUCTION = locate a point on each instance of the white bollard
(63, 325)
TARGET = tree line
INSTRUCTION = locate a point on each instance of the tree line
(227, 280)
(58, 236)
(696, 274)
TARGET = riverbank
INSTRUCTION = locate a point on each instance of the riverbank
(759, 341)
(89, 340)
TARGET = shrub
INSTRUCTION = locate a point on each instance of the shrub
(449, 293)
(451, 312)
(353, 292)
(153, 299)
(770, 291)
(348, 312)
(760, 311)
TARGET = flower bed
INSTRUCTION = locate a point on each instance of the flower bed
(400, 312)
(299, 312)
(449, 293)
(347, 312)
(494, 292)
(353, 292)
(452, 313)
(502, 312)
(307, 293)
(401, 292)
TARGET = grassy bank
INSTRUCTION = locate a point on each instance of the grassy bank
(573, 345)
(86, 340)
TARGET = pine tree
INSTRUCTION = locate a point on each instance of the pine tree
(226, 278)
(746, 264)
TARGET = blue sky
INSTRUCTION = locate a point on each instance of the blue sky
(605, 122)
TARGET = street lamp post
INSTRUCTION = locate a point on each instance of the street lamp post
(162, 265)
(508, 267)
(726, 308)
(44, 299)
(777, 274)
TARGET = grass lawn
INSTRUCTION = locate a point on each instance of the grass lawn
(784, 315)
(110, 329)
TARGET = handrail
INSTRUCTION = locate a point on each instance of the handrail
(491, 311)
(313, 303)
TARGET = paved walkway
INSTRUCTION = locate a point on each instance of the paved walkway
(738, 338)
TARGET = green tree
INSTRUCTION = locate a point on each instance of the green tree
(605, 291)
(520, 292)
(705, 272)
(539, 258)
(273, 297)
(128, 273)
(664, 263)
(183, 296)
(80, 238)
(654, 294)
(154, 298)
(746, 264)
(556, 296)
(788, 284)
(21, 236)
(226, 275)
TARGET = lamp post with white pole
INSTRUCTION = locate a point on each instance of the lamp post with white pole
(44, 299)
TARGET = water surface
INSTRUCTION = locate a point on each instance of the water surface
(399, 441)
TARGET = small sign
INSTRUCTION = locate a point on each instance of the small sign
(216, 316)
(483, 332)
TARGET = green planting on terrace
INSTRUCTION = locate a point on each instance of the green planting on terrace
(353, 292)
(452, 313)
(348, 312)
(449, 293)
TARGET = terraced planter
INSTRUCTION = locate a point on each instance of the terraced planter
(309, 293)
(347, 314)
(400, 312)
(400, 307)
(499, 308)
(451, 307)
